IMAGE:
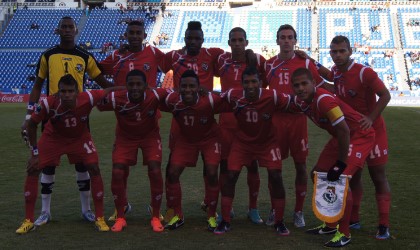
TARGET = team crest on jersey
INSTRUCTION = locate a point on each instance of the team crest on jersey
(266, 116)
(146, 66)
(79, 67)
(151, 113)
(352, 93)
(329, 195)
(84, 118)
(205, 66)
(203, 120)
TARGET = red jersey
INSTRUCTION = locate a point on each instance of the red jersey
(279, 72)
(202, 64)
(196, 122)
(255, 118)
(149, 60)
(358, 87)
(326, 111)
(69, 123)
(135, 120)
(230, 73)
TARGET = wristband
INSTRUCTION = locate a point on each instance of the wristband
(27, 117)
(34, 150)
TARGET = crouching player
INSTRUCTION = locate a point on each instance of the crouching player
(198, 132)
(344, 153)
(137, 127)
(66, 132)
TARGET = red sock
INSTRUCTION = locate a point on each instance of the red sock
(345, 221)
(206, 191)
(357, 198)
(222, 179)
(97, 189)
(300, 192)
(174, 196)
(156, 190)
(126, 174)
(118, 190)
(278, 205)
(383, 201)
(31, 194)
(270, 189)
(226, 207)
(213, 194)
(253, 180)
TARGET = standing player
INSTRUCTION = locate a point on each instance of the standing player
(198, 133)
(254, 140)
(62, 59)
(148, 59)
(201, 61)
(360, 93)
(230, 66)
(291, 128)
(137, 127)
(66, 132)
(344, 153)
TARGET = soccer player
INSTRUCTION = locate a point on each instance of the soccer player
(229, 68)
(291, 128)
(198, 133)
(66, 133)
(137, 127)
(344, 153)
(254, 139)
(201, 61)
(361, 94)
(64, 58)
(147, 59)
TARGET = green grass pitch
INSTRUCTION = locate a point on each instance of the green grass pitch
(68, 231)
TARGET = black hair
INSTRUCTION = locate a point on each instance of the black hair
(194, 25)
(341, 39)
(286, 27)
(237, 29)
(68, 80)
(190, 73)
(66, 18)
(249, 71)
(302, 71)
(136, 72)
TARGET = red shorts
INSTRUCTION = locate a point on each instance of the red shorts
(379, 154)
(126, 149)
(241, 154)
(292, 132)
(228, 126)
(227, 136)
(360, 146)
(173, 134)
(78, 150)
(185, 154)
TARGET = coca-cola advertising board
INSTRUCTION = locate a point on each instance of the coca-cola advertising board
(15, 98)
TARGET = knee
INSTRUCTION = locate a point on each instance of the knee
(80, 167)
(93, 170)
(50, 170)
